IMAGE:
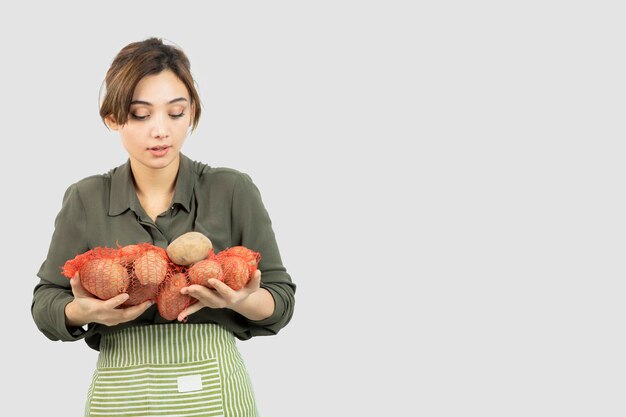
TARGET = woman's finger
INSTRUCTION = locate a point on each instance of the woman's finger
(133, 312)
(199, 292)
(77, 287)
(117, 301)
(189, 310)
(224, 290)
(255, 281)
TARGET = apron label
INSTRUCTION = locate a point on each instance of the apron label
(189, 383)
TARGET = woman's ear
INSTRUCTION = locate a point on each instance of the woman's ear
(110, 122)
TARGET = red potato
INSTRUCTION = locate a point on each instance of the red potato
(170, 302)
(189, 248)
(236, 271)
(105, 278)
(201, 272)
(151, 267)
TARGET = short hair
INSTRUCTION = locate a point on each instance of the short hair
(137, 60)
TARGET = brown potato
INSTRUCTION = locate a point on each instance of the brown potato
(128, 254)
(251, 257)
(236, 272)
(104, 278)
(189, 248)
(201, 272)
(150, 268)
(138, 293)
(170, 302)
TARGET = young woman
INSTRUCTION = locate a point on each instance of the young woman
(148, 365)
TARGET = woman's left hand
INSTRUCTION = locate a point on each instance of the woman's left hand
(220, 296)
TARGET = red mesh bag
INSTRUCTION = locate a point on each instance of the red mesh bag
(117, 277)
(145, 272)
(251, 257)
(236, 272)
(135, 269)
(201, 272)
(170, 302)
(238, 264)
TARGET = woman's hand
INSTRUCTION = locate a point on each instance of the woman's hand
(86, 308)
(251, 301)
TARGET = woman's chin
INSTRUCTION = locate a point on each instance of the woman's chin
(158, 162)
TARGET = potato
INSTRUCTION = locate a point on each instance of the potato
(139, 293)
(236, 271)
(128, 254)
(189, 248)
(170, 302)
(201, 272)
(151, 267)
(250, 256)
(104, 278)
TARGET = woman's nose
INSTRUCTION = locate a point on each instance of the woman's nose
(159, 129)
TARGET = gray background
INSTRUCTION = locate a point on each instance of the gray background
(445, 182)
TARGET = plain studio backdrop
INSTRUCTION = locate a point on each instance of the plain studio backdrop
(445, 180)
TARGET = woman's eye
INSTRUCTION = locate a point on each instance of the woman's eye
(134, 116)
(173, 116)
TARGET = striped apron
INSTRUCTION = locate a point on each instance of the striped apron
(170, 369)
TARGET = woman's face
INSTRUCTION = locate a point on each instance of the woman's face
(159, 118)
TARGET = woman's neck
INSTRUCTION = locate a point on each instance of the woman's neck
(151, 183)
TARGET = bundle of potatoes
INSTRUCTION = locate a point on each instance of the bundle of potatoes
(148, 272)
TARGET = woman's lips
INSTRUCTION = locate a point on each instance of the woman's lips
(159, 150)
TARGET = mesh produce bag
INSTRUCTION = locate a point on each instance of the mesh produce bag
(170, 302)
(238, 264)
(138, 270)
(145, 272)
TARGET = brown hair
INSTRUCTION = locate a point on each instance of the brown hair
(137, 60)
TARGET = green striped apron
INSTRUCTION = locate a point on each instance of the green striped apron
(174, 369)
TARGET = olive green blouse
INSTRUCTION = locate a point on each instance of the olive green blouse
(103, 210)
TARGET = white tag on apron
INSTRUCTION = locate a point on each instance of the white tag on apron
(189, 383)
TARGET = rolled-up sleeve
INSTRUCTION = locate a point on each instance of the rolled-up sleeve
(252, 228)
(53, 292)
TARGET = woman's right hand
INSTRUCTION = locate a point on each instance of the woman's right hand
(86, 308)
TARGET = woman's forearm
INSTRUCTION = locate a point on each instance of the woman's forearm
(257, 306)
